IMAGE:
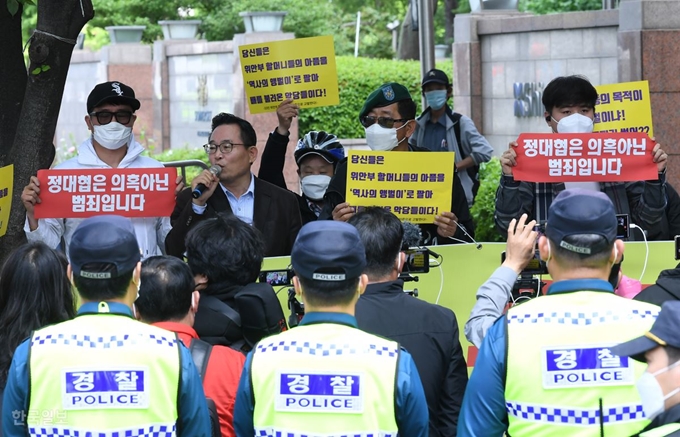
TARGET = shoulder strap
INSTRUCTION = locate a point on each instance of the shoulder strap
(200, 353)
(455, 118)
(220, 307)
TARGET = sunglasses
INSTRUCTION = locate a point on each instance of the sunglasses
(386, 122)
(105, 117)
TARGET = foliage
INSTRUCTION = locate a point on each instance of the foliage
(183, 155)
(357, 78)
(485, 203)
(554, 6)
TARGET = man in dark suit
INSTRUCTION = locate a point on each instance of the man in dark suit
(270, 209)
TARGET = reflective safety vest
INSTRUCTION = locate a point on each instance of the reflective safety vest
(561, 377)
(103, 375)
(325, 379)
(662, 431)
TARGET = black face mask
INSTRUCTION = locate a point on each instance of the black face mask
(614, 274)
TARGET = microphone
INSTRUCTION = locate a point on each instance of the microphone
(200, 188)
(412, 235)
(462, 228)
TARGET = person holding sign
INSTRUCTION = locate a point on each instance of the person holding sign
(440, 129)
(316, 154)
(230, 187)
(110, 117)
(546, 368)
(570, 108)
(388, 115)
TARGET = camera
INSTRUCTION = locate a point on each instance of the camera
(277, 277)
(417, 261)
(622, 228)
(535, 267)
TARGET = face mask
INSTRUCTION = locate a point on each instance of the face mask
(575, 124)
(436, 99)
(382, 139)
(112, 136)
(651, 392)
(314, 186)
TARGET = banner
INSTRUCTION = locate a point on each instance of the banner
(414, 186)
(299, 69)
(6, 185)
(130, 192)
(598, 157)
(624, 107)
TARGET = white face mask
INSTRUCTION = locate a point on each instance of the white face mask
(314, 186)
(112, 136)
(381, 138)
(575, 124)
(651, 392)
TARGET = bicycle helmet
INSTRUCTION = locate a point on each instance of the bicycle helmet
(319, 143)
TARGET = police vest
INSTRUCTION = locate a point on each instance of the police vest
(562, 378)
(662, 431)
(325, 379)
(103, 375)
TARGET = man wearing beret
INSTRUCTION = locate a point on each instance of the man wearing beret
(110, 118)
(388, 116)
(327, 377)
(546, 367)
(104, 373)
(659, 386)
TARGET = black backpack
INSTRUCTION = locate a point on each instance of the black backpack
(473, 171)
(200, 353)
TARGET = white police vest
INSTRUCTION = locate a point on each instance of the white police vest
(325, 379)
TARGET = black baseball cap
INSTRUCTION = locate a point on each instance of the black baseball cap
(665, 332)
(104, 239)
(328, 250)
(112, 92)
(436, 76)
(579, 212)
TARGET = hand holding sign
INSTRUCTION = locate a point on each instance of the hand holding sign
(29, 197)
(509, 159)
(286, 111)
(659, 157)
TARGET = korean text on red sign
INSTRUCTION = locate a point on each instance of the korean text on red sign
(130, 192)
(597, 157)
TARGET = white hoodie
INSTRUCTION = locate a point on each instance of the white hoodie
(150, 231)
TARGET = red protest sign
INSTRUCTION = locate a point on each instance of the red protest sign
(596, 157)
(130, 192)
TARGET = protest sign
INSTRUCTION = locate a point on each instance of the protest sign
(414, 186)
(130, 192)
(299, 69)
(6, 184)
(624, 107)
(598, 157)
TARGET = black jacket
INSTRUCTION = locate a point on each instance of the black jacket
(335, 194)
(271, 170)
(210, 323)
(670, 222)
(667, 287)
(430, 334)
(665, 418)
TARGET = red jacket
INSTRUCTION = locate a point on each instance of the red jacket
(221, 376)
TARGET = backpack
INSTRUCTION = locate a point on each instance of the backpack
(473, 171)
(200, 353)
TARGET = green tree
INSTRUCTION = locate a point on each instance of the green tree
(554, 6)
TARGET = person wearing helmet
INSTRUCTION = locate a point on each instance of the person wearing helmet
(316, 154)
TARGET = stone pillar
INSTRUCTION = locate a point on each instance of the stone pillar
(648, 34)
(266, 122)
(131, 64)
(467, 69)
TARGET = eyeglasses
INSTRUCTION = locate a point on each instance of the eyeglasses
(386, 122)
(105, 117)
(225, 146)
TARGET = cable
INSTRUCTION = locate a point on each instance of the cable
(441, 281)
(644, 235)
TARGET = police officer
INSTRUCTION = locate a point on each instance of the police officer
(659, 386)
(326, 377)
(546, 368)
(104, 373)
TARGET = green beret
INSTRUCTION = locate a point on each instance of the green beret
(387, 94)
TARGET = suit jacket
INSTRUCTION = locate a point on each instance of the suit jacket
(276, 215)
